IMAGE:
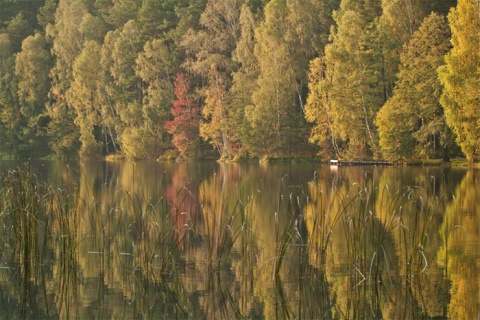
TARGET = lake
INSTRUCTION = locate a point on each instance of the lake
(208, 240)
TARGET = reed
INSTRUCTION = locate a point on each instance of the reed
(148, 245)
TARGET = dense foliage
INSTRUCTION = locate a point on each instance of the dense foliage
(155, 78)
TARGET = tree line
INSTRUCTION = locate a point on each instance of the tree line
(350, 79)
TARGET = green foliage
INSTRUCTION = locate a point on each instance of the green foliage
(460, 77)
(353, 82)
(18, 29)
(85, 98)
(405, 16)
(123, 11)
(214, 128)
(68, 41)
(277, 115)
(95, 77)
(46, 14)
(140, 143)
(11, 124)
(317, 111)
(214, 41)
(244, 83)
(411, 123)
(155, 66)
(32, 67)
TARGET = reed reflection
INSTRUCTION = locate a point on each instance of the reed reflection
(278, 240)
(459, 255)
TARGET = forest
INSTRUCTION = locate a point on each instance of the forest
(393, 80)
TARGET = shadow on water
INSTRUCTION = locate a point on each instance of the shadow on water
(224, 241)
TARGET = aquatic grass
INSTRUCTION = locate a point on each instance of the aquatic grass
(228, 235)
(29, 211)
(321, 217)
(41, 218)
(370, 219)
(24, 222)
(147, 246)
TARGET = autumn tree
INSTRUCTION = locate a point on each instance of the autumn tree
(405, 16)
(318, 112)
(209, 53)
(244, 83)
(67, 45)
(186, 119)
(460, 77)
(277, 114)
(352, 84)
(24, 75)
(215, 111)
(83, 95)
(214, 40)
(412, 123)
(155, 66)
(10, 124)
(32, 67)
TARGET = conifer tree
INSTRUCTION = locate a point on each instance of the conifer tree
(353, 80)
(460, 77)
(411, 123)
(244, 83)
(32, 68)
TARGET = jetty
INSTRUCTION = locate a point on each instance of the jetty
(337, 163)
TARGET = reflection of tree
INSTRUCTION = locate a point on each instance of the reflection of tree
(243, 241)
(413, 214)
(124, 243)
(182, 196)
(223, 215)
(376, 243)
(460, 231)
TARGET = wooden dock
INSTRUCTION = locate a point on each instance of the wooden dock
(337, 163)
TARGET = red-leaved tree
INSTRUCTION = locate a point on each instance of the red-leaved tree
(186, 119)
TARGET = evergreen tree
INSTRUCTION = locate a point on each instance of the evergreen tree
(215, 39)
(46, 14)
(157, 18)
(244, 83)
(18, 29)
(122, 11)
(353, 81)
(411, 123)
(32, 67)
(460, 77)
(10, 123)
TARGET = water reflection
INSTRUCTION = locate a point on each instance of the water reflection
(209, 240)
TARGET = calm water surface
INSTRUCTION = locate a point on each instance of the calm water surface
(222, 241)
